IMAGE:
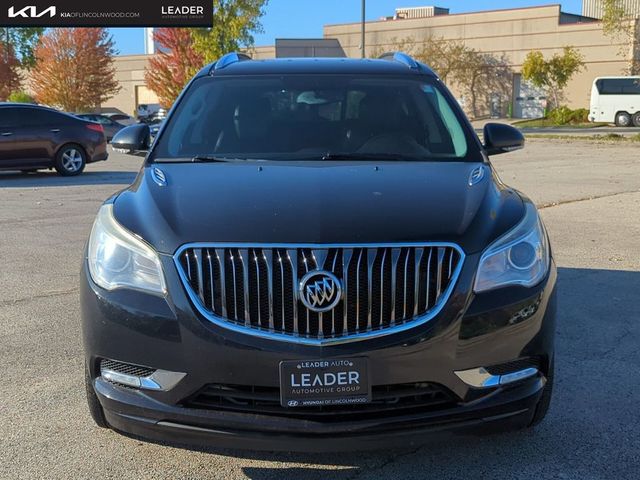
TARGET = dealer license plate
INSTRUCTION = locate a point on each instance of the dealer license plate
(337, 381)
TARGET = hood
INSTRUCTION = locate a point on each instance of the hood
(318, 203)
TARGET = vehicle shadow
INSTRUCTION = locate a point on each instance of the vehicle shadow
(52, 179)
(597, 340)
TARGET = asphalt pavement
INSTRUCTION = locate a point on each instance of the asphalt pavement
(590, 199)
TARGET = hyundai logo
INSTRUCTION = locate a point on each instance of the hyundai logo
(320, 291)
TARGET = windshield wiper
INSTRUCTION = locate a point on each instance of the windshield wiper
(211, 158)
(369, 156)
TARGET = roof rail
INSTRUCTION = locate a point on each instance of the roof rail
(400, 57)
(228, 59)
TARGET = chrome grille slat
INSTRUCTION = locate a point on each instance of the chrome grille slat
(244, 261)
(223, 281)
(235, 285)
(211, 279)
(333, 311)
(347, 253)
(382, 275)
(199, 273)
(439, 272)
(416, 293)
(371, 259)
(292, 256)
(395, 255)
(428, 287)
(405, 288)
(362, 250)
(267, 254)
(283, 290)
(255, 289)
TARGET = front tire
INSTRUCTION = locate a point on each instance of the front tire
(623, 119)
(70, 160)
(95, 409)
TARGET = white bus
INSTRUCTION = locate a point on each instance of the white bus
(616, 100)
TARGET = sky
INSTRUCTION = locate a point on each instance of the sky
(305, 18)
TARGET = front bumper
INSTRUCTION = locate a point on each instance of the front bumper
(167, 333)
(137, 414)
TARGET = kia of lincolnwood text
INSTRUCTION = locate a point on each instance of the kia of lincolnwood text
(317, 254)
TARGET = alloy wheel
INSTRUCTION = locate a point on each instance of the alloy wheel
(72, 160)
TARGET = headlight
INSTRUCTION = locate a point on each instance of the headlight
(119, 259)
(520, 257)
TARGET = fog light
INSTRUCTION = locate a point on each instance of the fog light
(136, 376)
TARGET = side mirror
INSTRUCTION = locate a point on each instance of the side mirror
(134, 140)
(501, 138)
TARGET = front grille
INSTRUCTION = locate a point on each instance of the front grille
(387, 400)
(125, 368)
(257, 289)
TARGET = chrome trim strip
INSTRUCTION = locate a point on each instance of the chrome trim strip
(284, 337)
(481, 378)
(162, 380)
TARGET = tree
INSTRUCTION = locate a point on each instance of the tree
(620, 26)
(176, 62)
(554, 74)
(9, 76)
(184, 51)
(480, 76)
(23, 40)
(74, 68)
(446, 57)
(484, 78)
(234, 23)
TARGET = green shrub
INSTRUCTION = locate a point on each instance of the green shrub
(566, 116)
(21, 97)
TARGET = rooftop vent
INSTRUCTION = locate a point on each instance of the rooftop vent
(419, 12)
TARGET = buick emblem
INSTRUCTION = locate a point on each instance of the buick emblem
(320, 290)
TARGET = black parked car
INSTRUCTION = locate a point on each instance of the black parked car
(110, 126)
(33, 137)
(317, 255)
(121, 118)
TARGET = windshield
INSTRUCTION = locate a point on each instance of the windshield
(314, 117)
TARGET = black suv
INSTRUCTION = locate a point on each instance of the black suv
(33, 137)
(317, 255)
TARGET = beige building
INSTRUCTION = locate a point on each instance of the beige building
(594, 8)
(133, 91)
(512, 33)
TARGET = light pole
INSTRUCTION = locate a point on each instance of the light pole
(362, 51)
